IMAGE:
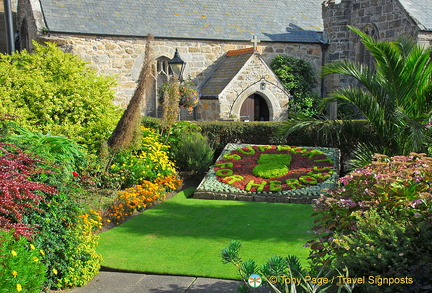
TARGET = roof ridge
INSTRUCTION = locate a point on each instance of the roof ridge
(243, 51)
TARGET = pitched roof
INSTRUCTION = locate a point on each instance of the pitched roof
(420, 11)
(225, 71)
(269, 20)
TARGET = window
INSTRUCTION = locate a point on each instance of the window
(364, 56)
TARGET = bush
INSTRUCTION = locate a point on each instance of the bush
(55, 92)
(21, 267)
(391, 199)
(387, 247)
(193, 153)
(84, 262)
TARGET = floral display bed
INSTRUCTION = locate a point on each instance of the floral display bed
(272, 173)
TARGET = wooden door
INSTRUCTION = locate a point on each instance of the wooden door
(247, 111)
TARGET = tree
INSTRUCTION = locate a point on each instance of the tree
(395, 100)
(127, 130)
(299, 79)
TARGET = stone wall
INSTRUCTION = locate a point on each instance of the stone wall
(123, 57)
(387, 18)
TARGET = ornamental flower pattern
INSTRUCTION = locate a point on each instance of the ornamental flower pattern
(271, 168)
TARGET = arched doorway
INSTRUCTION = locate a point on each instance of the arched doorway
(254, 108)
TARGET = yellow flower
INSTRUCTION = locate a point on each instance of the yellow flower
(14, 274)
(35, 259)
(42, 252)
(32, 247)
(55, 272)
(13, 252)
(19, 287)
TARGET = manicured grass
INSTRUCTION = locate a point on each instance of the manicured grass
(184, 236)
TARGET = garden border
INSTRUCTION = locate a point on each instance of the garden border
(211, 188)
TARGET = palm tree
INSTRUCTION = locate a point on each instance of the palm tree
(395, 100)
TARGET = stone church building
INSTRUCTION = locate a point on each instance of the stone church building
(227, 45)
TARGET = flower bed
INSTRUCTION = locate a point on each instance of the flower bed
(270, 173)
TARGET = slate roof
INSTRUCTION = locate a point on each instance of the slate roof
(420, 11)
(269, 20)
(225, 71)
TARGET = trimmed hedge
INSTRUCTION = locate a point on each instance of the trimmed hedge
(268, 132)
(220, 133)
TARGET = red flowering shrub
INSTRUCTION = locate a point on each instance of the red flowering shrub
(18, 193)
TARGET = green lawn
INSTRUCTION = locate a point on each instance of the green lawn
(184, 236)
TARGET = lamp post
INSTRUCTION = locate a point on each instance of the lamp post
(177, 66)
(9, 26)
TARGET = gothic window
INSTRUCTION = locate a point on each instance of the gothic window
(162, 74)
(364, 56)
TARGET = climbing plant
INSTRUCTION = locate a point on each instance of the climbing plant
(298, 78)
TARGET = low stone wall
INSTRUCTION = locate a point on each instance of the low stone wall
(254, 197)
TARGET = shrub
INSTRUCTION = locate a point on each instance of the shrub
(385, 246)
(389, 198)
(21, 267)
(149, 162)
(55, 92)
(63, 237)
(84, 262)
(65, 156)
(33, 208)
(20, 194)
(193, 153)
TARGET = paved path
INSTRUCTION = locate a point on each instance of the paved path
(116, 282)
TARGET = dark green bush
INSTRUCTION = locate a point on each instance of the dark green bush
(193, 153)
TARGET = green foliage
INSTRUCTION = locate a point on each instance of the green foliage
(84, 262)
(55, 92)
(193, 153)
(387, 205)
(68, 245)
(170, 98)
(281, 274)
(149, 162)
(220, 133)
(298, 78)
(69, 250)
(65, 155)
(21, 267)
(386, 246)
